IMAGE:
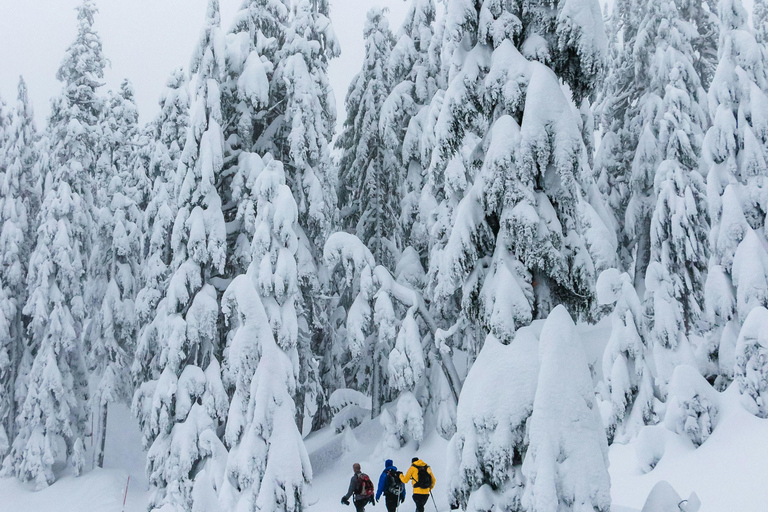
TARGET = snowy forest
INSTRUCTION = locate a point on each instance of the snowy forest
(536, 252)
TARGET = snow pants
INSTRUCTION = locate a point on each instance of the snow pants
(360, 505)
(391, 501)
(420, 500)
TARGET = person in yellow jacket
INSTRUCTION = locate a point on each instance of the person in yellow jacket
(423, 482)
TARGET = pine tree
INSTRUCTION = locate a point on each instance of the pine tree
(617, 108)
(751, 370)
(113, 266)
(168, 134)
(182, 403)
(20, 191)
(413, 78)
(368, 194)
(627, 373)
(268, 465)
(278, 100)
(304, 143)
(668, 159)
(52, 418)
(518, 222)
(504, 224)
(735, 150)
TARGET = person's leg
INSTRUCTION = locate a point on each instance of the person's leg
(391, 502)
(420, 500)
(360, 506)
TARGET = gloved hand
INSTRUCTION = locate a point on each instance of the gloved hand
(345, 501)
(402, 498)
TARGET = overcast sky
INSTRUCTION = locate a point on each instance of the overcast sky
(144, 41)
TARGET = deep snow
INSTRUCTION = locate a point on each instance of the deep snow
(728, 472)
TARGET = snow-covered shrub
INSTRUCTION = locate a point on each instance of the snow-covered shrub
(626, 372)
(751, 371)
(566, 465)
(491, 422)
(692, 405)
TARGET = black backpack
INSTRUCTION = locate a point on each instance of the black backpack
(423, 478)
(392, 483)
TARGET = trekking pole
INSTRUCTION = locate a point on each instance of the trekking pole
(433, 501)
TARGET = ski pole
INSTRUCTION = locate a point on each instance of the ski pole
(433, 501)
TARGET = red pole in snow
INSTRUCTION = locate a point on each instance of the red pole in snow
(126, 491)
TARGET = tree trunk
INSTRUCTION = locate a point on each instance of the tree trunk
(102, 437)
(643, 257)
(299, 403)
(375, 384)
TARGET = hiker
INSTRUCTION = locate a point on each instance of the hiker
(360, 488)
(391, 486)
(423, 482)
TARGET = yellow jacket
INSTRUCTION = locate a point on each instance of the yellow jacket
(413, 474)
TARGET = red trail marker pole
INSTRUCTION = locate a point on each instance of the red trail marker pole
(126, 491)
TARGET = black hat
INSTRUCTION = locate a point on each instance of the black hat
(414, 459)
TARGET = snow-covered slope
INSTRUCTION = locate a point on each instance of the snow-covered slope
(727, 471)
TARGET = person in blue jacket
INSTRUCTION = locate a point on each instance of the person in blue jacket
(391, 486)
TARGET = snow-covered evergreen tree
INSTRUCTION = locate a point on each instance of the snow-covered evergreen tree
(114, 263)
(182, 402)
(52, 418)
(627, 373)
(268, 465)
(304, 142)
(20, 190)
(412, 75)
(485, 454)
(735, 149)
(518, 224)
(167, 138)
(668, 158)
(278, 100)
(566, 465)
(751, 371)
(692, 405)
(369, 199)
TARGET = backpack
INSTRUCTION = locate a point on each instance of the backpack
(423, 478)
(366, 486)
(392, 485)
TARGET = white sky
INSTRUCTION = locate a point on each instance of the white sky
(144, 41)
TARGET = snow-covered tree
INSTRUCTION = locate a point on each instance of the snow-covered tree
(669, 190)
(626, 370)
(182, 402)
(735, 150)
(20, 190)
(412, 74)
(52, 418)
(167, 138)
(566, 465)
(751, 371)
(114, 263)
(278, 100)
(268, 465)
(369, 199)
(485, 454)
(692, 405)
(304, 141)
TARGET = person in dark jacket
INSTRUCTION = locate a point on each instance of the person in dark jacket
(394, 490)
(355, 490)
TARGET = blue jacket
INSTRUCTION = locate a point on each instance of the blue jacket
(383, 481)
